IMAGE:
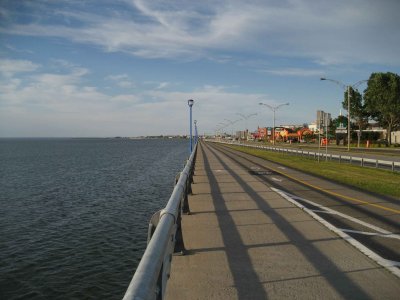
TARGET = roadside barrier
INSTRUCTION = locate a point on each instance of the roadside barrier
(164, 239)
(394, 166)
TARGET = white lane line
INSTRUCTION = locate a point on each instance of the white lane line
(392, 266)
(393, 236)
(276, 179)
(327, 209)
(321, 211)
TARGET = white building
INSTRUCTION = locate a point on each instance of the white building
(313, 126)
(395, 135)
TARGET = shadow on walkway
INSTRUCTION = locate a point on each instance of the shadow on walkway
(246, 279)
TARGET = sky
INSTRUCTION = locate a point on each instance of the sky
(96, 68)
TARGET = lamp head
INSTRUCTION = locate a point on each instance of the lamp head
(190, 102)
(323, 78)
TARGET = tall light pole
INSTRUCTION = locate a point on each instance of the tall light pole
(195, 131)
(246, 118)
(347, 87)
(190, 103)
(221, 126)
(274, 109)
(231, 123)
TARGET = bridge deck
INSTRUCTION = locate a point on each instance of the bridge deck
(245, 241)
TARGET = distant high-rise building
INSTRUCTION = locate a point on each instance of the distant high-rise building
(323, 118)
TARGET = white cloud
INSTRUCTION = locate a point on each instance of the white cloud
(9, 67)
(121, 80)
(126, 84)
(118, 77)
(325, 32)
(297, 72)
(14, 49)
(260, 35)
(61, 105)
(162, 85)
(127, 99)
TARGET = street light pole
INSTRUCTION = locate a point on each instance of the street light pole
(190, 103)
(344, 86)
(230, 123)
(195, 132)
(348, 118)
(273, 108)
(246, 118)
(221, 126)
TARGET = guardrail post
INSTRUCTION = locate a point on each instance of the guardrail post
(362, 162)
(164, 239)
(155, 218)
(185, 203)
(392, 166)
(376, 164)
(179, 244)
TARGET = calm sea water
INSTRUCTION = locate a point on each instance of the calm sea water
(74, 213)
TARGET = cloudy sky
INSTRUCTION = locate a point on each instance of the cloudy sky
(99, 68)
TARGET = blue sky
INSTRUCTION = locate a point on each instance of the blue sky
(127, 67)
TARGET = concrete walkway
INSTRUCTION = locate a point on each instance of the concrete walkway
(245, 241)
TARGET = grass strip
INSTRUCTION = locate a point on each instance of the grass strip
(374, 180)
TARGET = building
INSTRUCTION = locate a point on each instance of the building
(395, 135)
(291, 126)
(313, 127)
(262, 133)
(243, 135)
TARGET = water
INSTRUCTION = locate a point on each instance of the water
(74, 213)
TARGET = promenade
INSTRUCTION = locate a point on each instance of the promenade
(245, 241)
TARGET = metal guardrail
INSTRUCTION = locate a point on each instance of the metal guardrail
(363, 162)
(164, 238)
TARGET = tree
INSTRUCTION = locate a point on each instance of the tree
(357, 110)
(340, 122)
(382, 100)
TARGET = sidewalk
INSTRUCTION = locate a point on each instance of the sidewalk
(245, 241)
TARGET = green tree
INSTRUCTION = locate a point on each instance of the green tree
(382, 100)
(339, 122)
(357, 110)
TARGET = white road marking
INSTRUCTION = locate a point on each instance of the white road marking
(321, 211)
(328, 210)
(276, 179)
(394, 236)
(392, 266)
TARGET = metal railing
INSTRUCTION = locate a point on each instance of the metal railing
(164, 238)
(351, 159)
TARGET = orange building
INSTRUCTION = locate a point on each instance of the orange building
(263, 133)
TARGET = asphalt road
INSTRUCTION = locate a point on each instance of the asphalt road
(373, 220)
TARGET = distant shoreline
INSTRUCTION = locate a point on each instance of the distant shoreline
(96, 138)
